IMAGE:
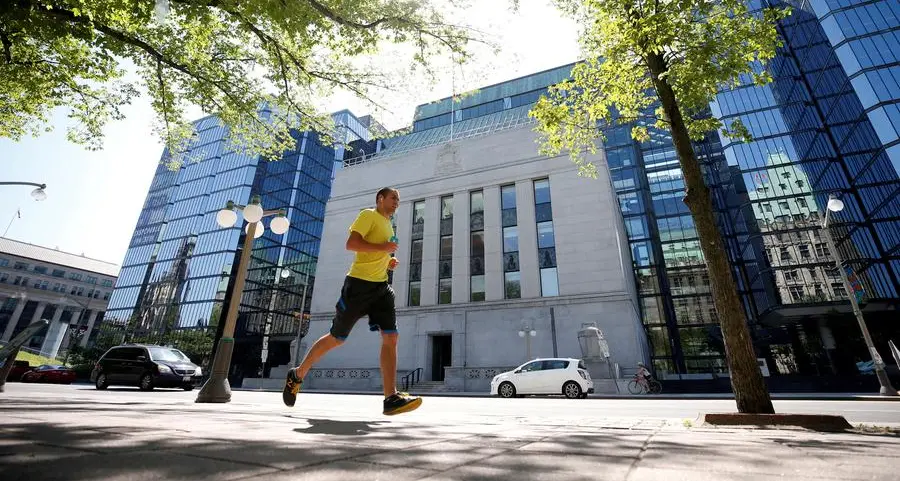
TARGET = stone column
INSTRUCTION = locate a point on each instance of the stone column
(528, 258)
(55, 333)
(39, 311)
(73, 321)
(430, 249)
(461, 246)
(493, 245)
(90, 328)
(14, 320)
(403, 217)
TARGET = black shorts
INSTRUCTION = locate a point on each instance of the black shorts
(364, 298)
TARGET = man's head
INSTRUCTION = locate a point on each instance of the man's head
(387, 200)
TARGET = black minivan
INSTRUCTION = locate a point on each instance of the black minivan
(145, 366)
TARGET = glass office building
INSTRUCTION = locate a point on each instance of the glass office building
(178, 270)
(828, 124)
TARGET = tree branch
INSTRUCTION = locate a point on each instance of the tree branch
(330, 14)
(138, 43)
(7, 47)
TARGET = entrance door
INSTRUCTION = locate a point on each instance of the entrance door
(441, 347)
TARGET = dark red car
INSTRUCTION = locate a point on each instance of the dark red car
(50, 373)
(18, 369)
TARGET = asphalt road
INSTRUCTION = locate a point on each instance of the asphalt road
(462, 409)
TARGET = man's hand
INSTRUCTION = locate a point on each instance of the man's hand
(392, 264)
(389, 247)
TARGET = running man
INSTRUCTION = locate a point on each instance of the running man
(366, 292)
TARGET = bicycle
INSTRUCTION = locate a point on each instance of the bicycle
(640, 385)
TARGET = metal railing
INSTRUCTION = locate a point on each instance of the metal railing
(411, 378)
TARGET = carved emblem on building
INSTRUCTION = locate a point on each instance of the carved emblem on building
(448, 161)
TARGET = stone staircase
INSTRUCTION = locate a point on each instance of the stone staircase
(427, 387)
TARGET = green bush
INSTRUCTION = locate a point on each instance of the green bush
(83, 371)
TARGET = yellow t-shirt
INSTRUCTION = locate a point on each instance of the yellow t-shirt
(375, 229)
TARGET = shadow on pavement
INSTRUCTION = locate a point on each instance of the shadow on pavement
(140, 441)
(338, 428)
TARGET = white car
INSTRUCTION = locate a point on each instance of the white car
(563, 376)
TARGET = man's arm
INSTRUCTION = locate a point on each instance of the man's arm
(356, 243)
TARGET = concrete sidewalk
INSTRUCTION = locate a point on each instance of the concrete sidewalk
(136, 439)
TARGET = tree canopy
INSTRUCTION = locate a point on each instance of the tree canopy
(658, 64)
(259, 65)
(705, 45)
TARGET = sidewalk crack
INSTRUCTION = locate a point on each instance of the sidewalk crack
(644, 447)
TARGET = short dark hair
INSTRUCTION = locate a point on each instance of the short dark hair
(383, 192)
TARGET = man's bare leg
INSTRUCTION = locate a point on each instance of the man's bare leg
(389, 362)
(319, 349)
(295, 376)
(394, 402)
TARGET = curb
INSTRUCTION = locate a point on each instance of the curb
(670, 397)
(816, 422)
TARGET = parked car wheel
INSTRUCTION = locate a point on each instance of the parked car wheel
(571, 390)
(146, 383)
(101, 383)
(507, 390)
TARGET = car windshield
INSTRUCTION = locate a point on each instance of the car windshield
(170, 355)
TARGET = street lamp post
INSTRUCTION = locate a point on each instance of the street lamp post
(38, 193)
(216, 389)
(527, 333)
(837, 205)
(300, 333)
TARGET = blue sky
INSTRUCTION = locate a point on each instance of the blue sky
(94, 198)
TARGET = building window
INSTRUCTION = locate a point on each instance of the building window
(785, 254)
(791, 275)
(546, 238)
(40, 269)
(508, 205)
(822, 250)
(415, 293)
(20, 266)
(415, 253)
(445, 257)
(512, 277)
(476, 248)
(839, 291)
(58, 273)
(513, 285)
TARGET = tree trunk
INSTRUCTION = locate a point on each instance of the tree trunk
(750, 391)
